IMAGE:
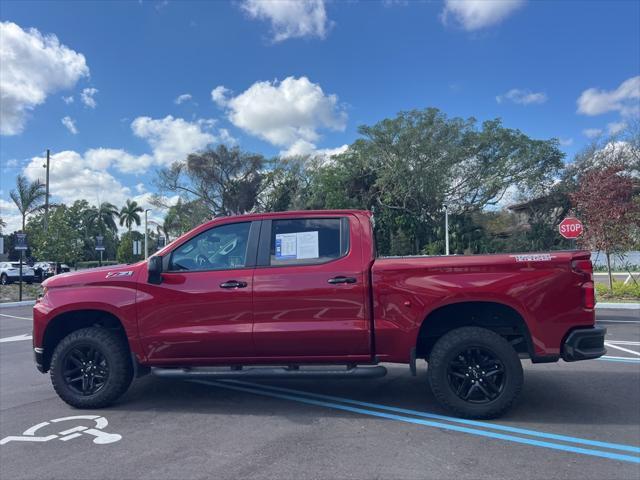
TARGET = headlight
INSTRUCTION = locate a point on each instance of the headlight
(42, 293)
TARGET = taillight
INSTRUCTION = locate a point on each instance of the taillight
(583, 266)
(588, 295)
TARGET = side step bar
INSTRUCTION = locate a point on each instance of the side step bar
(270, 372)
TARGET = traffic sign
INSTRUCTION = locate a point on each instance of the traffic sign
(570, 228)
(100, 243)
(21, 241)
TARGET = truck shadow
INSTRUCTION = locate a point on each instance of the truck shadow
(550, 396)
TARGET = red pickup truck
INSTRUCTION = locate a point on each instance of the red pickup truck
(302, 295)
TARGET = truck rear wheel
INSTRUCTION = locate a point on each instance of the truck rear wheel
(91, 368)
(475, 373)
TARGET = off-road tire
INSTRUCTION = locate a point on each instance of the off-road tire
(115, 350)
(447, 349)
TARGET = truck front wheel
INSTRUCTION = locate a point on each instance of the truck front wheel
(91, 368)
(475, 373)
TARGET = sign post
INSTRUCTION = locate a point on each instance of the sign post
(21, 245)
(571, 228)
(100, 246)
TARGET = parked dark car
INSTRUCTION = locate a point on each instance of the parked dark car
(44, 270)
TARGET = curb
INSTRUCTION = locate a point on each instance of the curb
(618, 306)
(17, 304)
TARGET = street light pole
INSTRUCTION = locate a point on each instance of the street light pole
(446, 230)
(146, 234)
(46, 197)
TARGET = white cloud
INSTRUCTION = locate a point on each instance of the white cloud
(286, 113)
(478, 14)
(624, 99)
(33, 67)
(87, 97)
(90, 175)
(522, 97)
(616, 127)
(68, 99)
(219, 95)
(565, 142)
(172, 139)
(70, 124)
(11, 163)
(10, 215)
(302, 148)
(592, 132)
(185, 97)
(290, 18)
(73, 176)
(225, 137)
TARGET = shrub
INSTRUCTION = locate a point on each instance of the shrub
(630, 291)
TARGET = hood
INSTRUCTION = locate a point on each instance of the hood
(98, 275)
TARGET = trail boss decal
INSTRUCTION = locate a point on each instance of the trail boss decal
(537, 257)
(127, 273)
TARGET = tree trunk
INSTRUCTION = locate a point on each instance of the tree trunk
(608, 255)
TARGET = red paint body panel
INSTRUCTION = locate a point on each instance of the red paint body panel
(290, 314)
(547, 294)
(189, 316)
(297, 313)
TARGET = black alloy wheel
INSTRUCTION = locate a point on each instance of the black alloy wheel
(85, 370)
(476, 375)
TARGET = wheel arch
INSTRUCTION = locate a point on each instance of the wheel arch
(67, 322)
(495, 316)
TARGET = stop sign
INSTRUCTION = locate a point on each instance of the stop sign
(570, 227)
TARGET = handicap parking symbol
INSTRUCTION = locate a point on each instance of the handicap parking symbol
(100, 437)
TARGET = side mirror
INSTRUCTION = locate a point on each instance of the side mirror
(154, 267)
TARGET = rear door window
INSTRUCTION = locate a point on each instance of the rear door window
(308, 241)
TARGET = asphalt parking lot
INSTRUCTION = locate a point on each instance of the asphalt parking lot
(578, 420)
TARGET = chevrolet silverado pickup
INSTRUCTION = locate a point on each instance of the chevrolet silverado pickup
(302, 295)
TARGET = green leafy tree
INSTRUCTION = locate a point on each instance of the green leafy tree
(125, 248)
(406, 168)
(28, 197)
(129, 214)
(183, 216)
(61, 243)
(226, 181)
(102, 218)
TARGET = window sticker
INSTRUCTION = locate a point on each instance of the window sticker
(298, 245)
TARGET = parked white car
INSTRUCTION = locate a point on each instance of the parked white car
(10, 272)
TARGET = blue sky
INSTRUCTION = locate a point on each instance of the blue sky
(295, 78)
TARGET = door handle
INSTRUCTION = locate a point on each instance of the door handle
(233, 284)
(341, 279)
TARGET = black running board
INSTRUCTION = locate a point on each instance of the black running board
(270, 372)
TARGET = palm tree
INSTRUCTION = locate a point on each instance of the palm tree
(102, 217)
(28, 197)
(129, 214)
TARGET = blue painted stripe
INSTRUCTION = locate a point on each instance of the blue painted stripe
(475, 423)
(622, 360)
(429, 423)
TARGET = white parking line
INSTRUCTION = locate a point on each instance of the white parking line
(17, 338)
(621, 348)
(13, 316)
(623, 342)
